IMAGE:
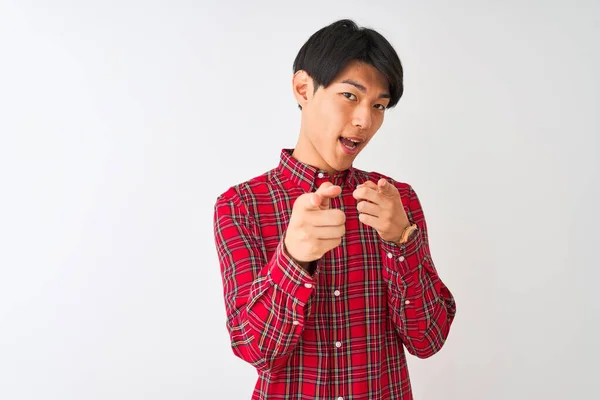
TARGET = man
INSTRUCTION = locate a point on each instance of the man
(326, 268)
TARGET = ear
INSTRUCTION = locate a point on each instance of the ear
(302, 87)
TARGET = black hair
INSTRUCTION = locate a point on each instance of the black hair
(327, 52)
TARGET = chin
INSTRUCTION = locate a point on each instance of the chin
(343, 162)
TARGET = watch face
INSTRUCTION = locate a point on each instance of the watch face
(412, 231)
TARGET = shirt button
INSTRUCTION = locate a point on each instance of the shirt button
(320, 175)
(401, 258)
(390, 255)
(307, 285)
(296, 323)
(340, 398)
(338, 344)
(407, 302)
(336, 293)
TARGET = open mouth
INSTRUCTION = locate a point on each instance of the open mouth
(350, 144)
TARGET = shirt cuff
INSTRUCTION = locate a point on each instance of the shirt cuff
(288, 275)
(403, 258)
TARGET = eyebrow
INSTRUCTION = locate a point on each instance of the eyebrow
(363, 89)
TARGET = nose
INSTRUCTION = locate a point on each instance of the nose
(362, 117)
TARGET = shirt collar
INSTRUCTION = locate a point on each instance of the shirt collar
(308, 177)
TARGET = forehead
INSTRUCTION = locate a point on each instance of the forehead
(365, 74)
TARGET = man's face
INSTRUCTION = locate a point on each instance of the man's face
(351, 107)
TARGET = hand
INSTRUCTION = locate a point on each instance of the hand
(380, 207)
(314, 227)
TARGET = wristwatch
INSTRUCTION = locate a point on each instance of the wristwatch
(408, 231)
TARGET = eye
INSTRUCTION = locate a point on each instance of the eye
(349, 96)
(380, 107)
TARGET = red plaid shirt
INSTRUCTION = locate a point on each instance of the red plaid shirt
(338, 334)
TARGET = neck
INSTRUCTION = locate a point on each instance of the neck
(306, 153)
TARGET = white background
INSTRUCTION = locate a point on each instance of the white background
(122, 121)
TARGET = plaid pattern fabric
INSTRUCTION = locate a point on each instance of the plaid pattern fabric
(340, 333)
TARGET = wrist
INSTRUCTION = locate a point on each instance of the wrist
(407, 232)
(308, 266)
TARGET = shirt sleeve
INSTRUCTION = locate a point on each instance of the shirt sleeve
(265, 299)
(421, 306)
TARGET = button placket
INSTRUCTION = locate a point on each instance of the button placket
(338, 307)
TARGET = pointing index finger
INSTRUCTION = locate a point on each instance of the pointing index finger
(365, 192)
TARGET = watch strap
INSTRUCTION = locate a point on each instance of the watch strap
(408, 231)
